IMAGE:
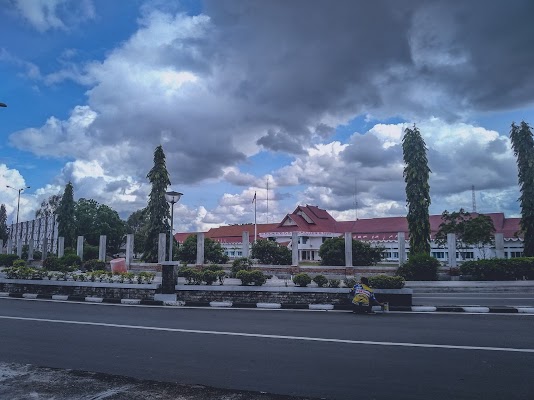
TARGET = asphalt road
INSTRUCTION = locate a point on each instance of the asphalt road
(333, 355)
(474, 299)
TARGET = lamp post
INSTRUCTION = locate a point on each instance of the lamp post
(172, 197)
(18, 208)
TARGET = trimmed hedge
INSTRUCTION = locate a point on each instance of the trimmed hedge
(386, 282)
(302, 279)
(255, 276)
(6, 260)
(419, 267)
(499, 269)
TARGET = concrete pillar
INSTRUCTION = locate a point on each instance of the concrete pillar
(401, 239)
(19, 248)
(129, 249)
(79, 247)
(294, 249)
(9, 249)
(1, 246)
(60, 246)
(499, 245)
(348, 249)
(451, 247)
(162, 243)
(102, 248)
(245, 244)
(200, 248)
(31, 246)
(45, 247)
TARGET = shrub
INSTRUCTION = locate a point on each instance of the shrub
(386, 282)
(334, 283)
(302, 279)
(247, 277)
(419, 267)
(24, 272)
(94, 265)
(52, 263)
(209, 276)
(221, 275)
(241, 264)
(90, 252)
(6, 260)
(320, 280)
(19, 263)
(70, 259)
(350, 282)
(499, 269)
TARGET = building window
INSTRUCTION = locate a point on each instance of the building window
(305, 239)
(516, 254)
(395, 254)
(438, 254)
(468, 255)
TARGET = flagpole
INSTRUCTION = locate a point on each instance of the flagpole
(267, 199)
(255, 220)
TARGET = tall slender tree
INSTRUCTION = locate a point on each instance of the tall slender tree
(66, 216)
(523, 146)
(4, 234)
(416, 175)
(158, 211)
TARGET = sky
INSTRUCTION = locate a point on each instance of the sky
(306, 98)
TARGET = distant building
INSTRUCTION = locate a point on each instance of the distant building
(314, 225)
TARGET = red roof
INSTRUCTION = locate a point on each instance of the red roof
(384, 228)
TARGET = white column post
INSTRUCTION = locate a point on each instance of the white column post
(451, 247)
(129, 249)
(1, 246)
(19, 247)
(162, 243)
(499, 245)
(294, 249)
(348, 249)
(79, 247)
(102, 248)
(200, 248)
(9, 249)
(402, 247)
(60, 246)
(245, 244)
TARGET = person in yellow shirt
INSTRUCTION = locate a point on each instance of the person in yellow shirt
(363, 298)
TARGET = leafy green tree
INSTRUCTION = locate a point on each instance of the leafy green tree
(271, 253)
(523, 146)
(470, 231)
(332, 252)
(4, 233)
(110, 224)
(49, 206)
(94, 219)
(416, 175)
(213, 251)
(158, 209)
(137, 223)
(66, 216)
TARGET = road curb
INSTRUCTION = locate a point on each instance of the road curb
(273, 306)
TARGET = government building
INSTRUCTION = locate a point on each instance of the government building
(314, 225)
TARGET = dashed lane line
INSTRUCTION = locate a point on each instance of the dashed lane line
(281, 337)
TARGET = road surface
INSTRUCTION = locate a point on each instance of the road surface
(330, 355)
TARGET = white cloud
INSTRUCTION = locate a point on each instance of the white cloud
(45, 15)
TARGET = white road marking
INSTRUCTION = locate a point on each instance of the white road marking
(258, 335)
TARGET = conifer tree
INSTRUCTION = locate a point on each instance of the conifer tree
(523, 146)
(416, 175)
(4, 234)
(158, 211)
(66, 216)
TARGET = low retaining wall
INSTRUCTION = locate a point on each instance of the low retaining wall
(96, 289)
(283, 295)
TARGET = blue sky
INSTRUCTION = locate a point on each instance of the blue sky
(308, 96)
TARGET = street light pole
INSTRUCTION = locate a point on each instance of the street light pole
(18, 208)
(172, 197)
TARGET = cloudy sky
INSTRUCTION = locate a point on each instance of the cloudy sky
(308, 96)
